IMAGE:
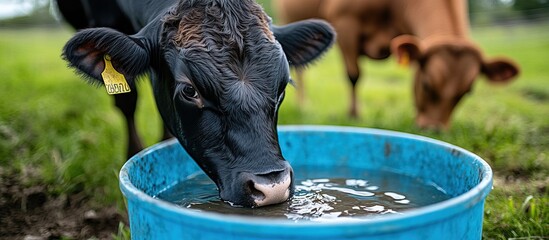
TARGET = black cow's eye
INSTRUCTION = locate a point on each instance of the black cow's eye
(189, 92)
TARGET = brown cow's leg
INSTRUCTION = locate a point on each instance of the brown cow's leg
(353, 110)
(127, 103)
(348, 41)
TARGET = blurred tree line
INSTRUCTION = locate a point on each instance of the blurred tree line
(42, 14)
(481, 12)
(489, 12)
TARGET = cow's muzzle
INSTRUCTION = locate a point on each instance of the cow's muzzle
(261, 189)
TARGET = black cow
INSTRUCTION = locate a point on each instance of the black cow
(219, 70)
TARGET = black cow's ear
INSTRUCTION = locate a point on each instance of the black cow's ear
(304, 41)
(97, 50)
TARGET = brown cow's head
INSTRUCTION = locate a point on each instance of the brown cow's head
(446, 70)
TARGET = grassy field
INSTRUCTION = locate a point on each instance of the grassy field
(57, 131)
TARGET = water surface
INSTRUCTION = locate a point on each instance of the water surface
(320, 195)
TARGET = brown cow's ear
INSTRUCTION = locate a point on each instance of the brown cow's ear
(500, 70)
(406, 48)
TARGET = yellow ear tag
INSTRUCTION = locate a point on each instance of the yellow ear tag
(114, 81)
(404, 59)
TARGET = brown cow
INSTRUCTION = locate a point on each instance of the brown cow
(432, 34)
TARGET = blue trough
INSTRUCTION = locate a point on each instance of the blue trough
(465, 176)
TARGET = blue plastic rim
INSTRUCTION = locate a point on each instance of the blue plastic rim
(464, 175)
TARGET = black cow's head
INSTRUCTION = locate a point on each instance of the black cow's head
(219, 70)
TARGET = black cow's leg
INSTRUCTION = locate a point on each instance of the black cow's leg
(127, 103)
(300, 86)
(166, 134)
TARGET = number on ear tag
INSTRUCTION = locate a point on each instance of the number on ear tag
(115, 82)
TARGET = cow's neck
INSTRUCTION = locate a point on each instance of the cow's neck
(143, 12)
(449, 19)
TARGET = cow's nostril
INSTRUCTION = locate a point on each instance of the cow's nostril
(271, 188)
(254, 192)
(260, 188)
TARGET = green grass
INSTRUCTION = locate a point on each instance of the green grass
(56, 129)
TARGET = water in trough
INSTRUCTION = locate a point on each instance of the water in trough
(320, 195)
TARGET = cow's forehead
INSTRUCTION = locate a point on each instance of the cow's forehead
(220, 22)
(227, 42)
(261, 70)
